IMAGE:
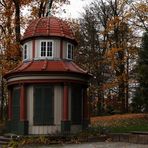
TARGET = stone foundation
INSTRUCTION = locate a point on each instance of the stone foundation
(136, 137)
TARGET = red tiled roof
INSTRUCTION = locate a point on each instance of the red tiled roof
(48, 26)
(47, 66)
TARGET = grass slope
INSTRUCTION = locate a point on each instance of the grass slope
(122, 123)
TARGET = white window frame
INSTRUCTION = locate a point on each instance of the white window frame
(25, 52)
(70, 55)
(46, 50)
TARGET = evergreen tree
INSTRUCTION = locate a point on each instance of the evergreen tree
(140, 101)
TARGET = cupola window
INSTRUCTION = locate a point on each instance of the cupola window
(25, 52)
(46, 49)
(70, 51)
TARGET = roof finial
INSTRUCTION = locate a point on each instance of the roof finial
(49, 7)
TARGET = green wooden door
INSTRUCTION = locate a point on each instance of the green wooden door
(76, 104)
(15, 109)
(43, 105)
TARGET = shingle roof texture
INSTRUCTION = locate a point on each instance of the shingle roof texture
(48, 66)
(48, 26)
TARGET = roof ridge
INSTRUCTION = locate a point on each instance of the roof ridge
(78, 68)
(28, 64)
(48, 26)
(38, 20)
(61, 26)
(64, 65)
(44, 67)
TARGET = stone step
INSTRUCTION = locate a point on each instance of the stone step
(10, 135)
(4, 140)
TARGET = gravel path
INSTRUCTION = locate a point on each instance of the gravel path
(95, 145)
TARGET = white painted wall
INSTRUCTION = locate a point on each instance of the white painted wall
(56, 48)
(37, 49)
(65, 49)
(45, 78)
(29, 50)
(30, 108)
(58, 95)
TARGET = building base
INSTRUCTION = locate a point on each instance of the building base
(85, 123)
(19, 127)
(65, 127)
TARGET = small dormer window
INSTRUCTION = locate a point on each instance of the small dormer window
(46, 49)
(25, 52)
(70, 51)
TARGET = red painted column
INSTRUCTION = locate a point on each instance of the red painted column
(61, 49)
(65, 103)
(33, 49)
(9, 104)
(22, 104)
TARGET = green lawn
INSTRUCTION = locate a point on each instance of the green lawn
(129, 129)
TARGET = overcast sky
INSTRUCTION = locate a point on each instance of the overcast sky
(75, 8)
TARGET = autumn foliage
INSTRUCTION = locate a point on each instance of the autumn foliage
(109, 43)
(108, 35)
(95, 120)
(123, 123)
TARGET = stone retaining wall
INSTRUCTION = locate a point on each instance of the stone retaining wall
(130, 137)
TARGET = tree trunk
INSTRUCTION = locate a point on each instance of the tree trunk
(127, 85)
(17, 28)
(17, 20)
